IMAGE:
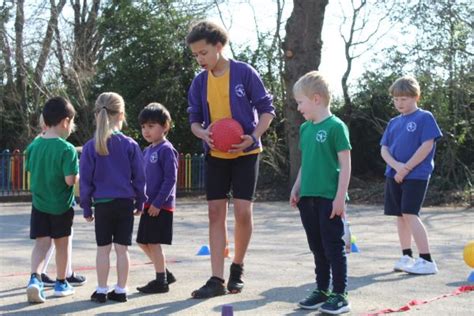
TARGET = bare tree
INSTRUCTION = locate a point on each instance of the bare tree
(365, 30)
(302, 49)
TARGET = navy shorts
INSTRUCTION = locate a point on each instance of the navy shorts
(238, 175)
(114, 222)
(48, 225)
(155, 229)
(404, 198)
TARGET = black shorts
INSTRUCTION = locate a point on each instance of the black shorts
(404, 198)
(238, 174)
(48, 225)
(155, 229)
(114, 222)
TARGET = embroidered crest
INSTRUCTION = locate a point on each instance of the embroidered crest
(240, 90)
(411, 126)
(154, 157)
(321, 136)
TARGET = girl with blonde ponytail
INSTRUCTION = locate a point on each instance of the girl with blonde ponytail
(113, 182)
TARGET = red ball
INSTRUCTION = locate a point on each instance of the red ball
(225, 133)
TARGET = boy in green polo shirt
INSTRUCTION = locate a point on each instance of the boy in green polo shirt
(53, 165)
(320, 191)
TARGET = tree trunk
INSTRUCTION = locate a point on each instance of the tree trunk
(302, 49)
(46, 48)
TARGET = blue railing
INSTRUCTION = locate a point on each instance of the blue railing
(15, 180)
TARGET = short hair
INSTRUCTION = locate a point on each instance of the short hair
(209, 31)
(57, 109)
(312, 83)
(406, 86)
(155, 113)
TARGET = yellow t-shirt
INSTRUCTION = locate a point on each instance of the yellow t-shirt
(219, 108)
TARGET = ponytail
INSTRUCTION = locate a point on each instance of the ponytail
(107, 108)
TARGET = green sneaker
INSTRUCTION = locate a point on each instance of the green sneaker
(336, 304)
(315, 299)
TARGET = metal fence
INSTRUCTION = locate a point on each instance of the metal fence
(15, 180)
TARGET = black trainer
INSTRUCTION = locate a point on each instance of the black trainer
(76, 279)
(314, 300)
(336, 304)
(154, 287)
(170, 277)
(235, 283)
(213, 287)
(118, 297)
(47, 281)
(99, 297)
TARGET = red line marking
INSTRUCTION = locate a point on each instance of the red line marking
(407, 307)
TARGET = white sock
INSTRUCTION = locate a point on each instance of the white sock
(102, 290)
(120, 290)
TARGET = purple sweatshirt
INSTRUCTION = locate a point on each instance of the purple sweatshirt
(247, 94)
(117, 175)
(161, 169)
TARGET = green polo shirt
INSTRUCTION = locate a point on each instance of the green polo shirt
(319, 145)
(50, 160)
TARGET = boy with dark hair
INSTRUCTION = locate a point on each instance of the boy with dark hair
(53, 165)
(161, 172)
(227, 89)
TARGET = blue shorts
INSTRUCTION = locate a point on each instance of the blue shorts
(404, 198)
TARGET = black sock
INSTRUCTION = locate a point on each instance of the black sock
(38, 276)
(161, 277)
(407, 252)
(218, 279)
(426, 256)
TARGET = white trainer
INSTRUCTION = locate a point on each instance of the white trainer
(422, 266)
(403, 263)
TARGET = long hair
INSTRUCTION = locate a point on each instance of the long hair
(108, 107)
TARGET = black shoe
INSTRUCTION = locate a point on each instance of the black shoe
(235, 283)
(213, 287)
(98, 297)
(336, 304)
(76, 279)
(314, 300)
(154, 287)
(118, 297)
(170, 277)
(47, 281)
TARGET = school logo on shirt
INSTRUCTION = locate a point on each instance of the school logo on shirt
(411, 126)
(321, 136)
(240, 90)
(154, 157)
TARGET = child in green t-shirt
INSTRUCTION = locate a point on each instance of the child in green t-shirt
(53, 165)
(320, 191)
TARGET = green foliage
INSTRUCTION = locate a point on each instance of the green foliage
(146, 60)
(441, 62)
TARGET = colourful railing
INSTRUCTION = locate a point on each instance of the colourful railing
(15, 180)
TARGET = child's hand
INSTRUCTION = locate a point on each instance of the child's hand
(398, 166)
(338, 208)
(206, 136)
(247, 141)
(89, 219)
(294, 196)
(400, 175)
(153, 211)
